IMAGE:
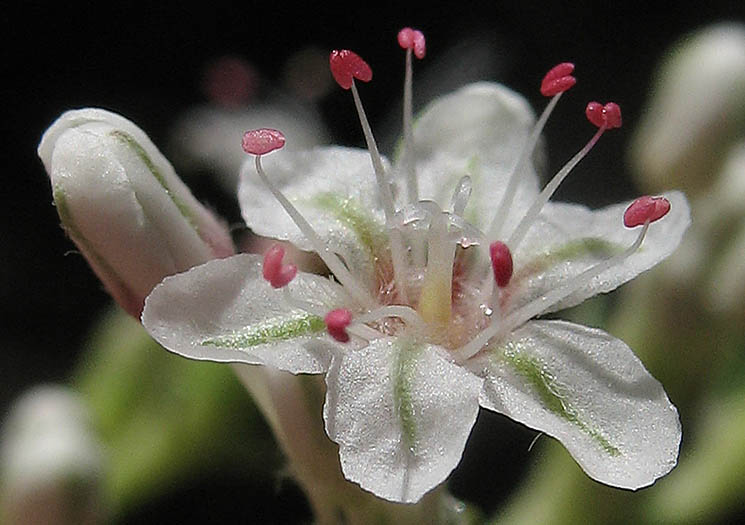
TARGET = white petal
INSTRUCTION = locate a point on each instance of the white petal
(224, 311)
(401, 414)
(478, 131)
(569, 239)
(588, 390)
(333, 188)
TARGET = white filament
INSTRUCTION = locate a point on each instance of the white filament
(354, 287)
(397, 244)
(409, 160)
(503, 210)
(532, 214)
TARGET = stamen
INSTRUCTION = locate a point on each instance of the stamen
(545, 302)
(269, 140)
(608, 115)
(605, 117)
(337, 322)
(501, 263)
(262, 141)
(554, 83)
(346, 66)
(558, 79)
(645, 209)
(410, 40)
(278, 274)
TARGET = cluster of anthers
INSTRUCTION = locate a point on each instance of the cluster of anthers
(423, 287)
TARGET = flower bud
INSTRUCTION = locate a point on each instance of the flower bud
(51, 462)
(696, 112)
(123, 205)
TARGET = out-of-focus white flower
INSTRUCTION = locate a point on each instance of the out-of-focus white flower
(725, 213)
(50, 460)
(696, 112)
(206, 136)
(123, 205)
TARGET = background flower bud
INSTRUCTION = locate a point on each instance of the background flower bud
(50, 460)
(696, 113)
(123, 205)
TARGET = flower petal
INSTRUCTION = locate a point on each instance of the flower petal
(588, 390)
(568, 239)
(401, 414)
(224, 311)
(478, 131)
(333, 188)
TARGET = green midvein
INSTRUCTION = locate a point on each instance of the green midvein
(269, 332)
(130, 142)
(403, 376)
(351, 214)
(545, 385)
(587, 246)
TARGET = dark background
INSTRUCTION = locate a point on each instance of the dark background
(145, 62)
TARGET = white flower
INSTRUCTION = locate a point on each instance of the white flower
(431, 334)
(51, 463)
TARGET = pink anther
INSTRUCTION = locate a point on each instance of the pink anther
(262, 141)
(645, 209)
(501, 263)
(608, 115)
(347, 65)
(277, 273)
(409, 38)
(337, 322)
(558, 79)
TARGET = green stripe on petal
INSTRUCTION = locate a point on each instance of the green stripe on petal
(573, 250)
(403, 375)
(269, 332)
(351, 213)
(548, 389)
(130, 142)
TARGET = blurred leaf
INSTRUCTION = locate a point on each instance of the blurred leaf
(164, 419)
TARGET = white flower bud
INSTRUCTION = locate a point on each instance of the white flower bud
(122, 203)
(51, 462)
(696, 111)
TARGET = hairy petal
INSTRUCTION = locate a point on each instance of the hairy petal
(401, 413)
(225, 311)
(478, 131)
(588, 390)
(569, 238)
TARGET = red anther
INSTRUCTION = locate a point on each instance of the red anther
(645, 209)
(501, 263)
(558, 79)
(347, 65)
(274, 271)
(409, 38)
(262, 141)
(337, 322)
(608, 115)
